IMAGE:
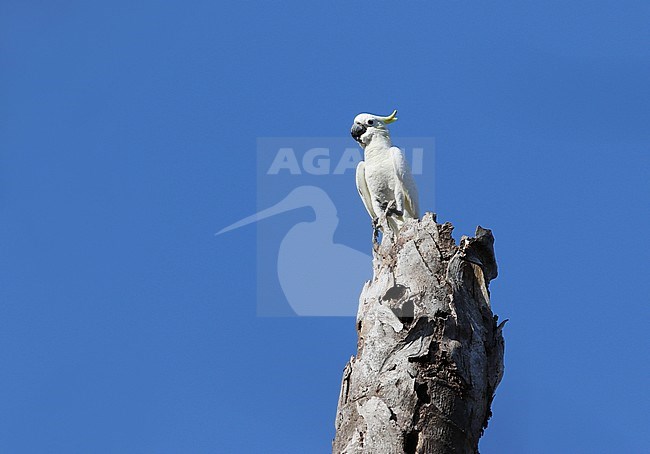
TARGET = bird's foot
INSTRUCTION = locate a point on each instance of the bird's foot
(375, 230)
(391, 209)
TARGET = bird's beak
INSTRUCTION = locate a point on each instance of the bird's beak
(357, 131)
(389, 119)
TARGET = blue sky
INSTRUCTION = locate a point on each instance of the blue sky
(128, 137)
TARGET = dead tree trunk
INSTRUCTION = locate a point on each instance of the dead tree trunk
(430, 353)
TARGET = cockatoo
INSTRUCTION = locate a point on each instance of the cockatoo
(384, 179)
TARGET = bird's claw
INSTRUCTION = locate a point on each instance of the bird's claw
(390, 208)
(375, 230)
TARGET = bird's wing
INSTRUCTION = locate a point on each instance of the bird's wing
(362, 187)
(405, 178)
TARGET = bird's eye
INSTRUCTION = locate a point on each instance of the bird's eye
(371, 122)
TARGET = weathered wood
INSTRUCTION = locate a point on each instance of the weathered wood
(430, 353)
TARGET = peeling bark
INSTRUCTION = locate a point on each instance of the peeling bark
(430, 353)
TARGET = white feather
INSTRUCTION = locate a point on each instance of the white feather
(362, 187)
(405, 184)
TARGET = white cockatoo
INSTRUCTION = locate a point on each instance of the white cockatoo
(384, 179)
